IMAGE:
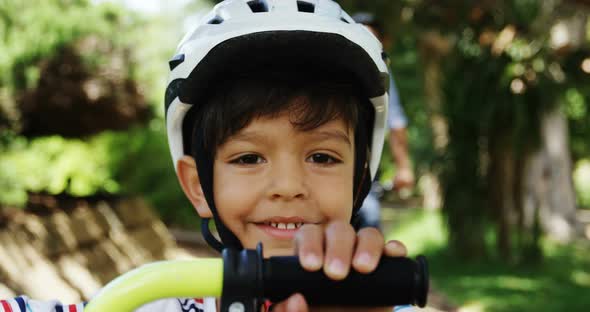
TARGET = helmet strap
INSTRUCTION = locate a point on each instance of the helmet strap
(209, 238)
(204, 162)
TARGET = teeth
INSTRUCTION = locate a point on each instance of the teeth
(286, 226)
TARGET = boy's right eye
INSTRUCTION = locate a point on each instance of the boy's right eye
(248, 159)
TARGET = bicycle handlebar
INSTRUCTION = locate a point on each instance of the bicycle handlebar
(396, 281)
(165, 279)
(243, 278)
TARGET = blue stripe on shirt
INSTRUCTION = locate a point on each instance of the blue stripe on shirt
(21, 304)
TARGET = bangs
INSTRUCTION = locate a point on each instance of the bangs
(310, 100)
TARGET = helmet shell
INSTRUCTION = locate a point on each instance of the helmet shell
(241, 35)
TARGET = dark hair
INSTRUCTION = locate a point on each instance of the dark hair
(312, 99)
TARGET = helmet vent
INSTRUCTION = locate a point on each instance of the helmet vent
(344, 20)
(304, 6)
(216, 20)
(258, 6)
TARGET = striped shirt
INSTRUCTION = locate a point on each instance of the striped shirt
(24, 304)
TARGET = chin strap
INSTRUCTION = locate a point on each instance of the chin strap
(209, 238)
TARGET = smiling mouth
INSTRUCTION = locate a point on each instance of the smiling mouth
(284, 226)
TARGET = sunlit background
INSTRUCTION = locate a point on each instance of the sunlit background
(497, 95)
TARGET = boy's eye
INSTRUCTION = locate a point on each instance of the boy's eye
(249, 159)
(322, 158)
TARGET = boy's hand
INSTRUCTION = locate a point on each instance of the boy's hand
(335, 248)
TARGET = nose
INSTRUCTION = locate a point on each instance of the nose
(287, 179)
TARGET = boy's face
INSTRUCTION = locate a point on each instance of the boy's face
(270, 178)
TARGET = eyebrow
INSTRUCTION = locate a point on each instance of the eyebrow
(332, 134)
(251, 136)
(320, 135)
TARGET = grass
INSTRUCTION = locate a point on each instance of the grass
(560, 283)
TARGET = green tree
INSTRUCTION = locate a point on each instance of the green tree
(505, 167)
(68, 76)
(495, 86)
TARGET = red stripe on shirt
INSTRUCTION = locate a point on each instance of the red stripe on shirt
(72, 308)
(267, 305)
(6, 306)
(199, 300)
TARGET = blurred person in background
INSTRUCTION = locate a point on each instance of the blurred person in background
(397, 122)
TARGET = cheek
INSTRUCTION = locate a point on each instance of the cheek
(232, 196)
(334, 195)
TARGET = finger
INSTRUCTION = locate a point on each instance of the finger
(395, 248)
(369, 249)
(309, 246)
(295, 303)
(340, 241)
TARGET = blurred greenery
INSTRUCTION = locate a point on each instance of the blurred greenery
(492, 71)
(559, 283)
(55, 165)
(478, 97)
(47, 164)
(487, 96)
(133, 161)
(30, 35)
(143, 166)
(582, 183)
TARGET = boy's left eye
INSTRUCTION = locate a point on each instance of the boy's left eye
(322, 158)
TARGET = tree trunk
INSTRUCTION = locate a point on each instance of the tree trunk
(532, 192)
(501, 179)
(433, 47)
(549, 199)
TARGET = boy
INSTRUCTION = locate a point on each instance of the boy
(275, 113)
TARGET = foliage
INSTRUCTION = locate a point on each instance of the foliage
(103, 44)
(502, 74)
(55, 165)
(576, 102)
(143, 166)
(130, 162)
(492, 285)
(31, 38)
(408, 75)
(40, 33)
(582, 182)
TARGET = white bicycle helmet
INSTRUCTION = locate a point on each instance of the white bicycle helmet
(242, 35)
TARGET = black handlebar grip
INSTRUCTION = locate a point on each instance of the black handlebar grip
(396, 281)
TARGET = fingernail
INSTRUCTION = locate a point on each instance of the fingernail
(312, 261)
(336, 268)
(395, 248)
(363, 260)
(294, 304)
(392, 245)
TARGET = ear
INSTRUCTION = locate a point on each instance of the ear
(191, 185)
